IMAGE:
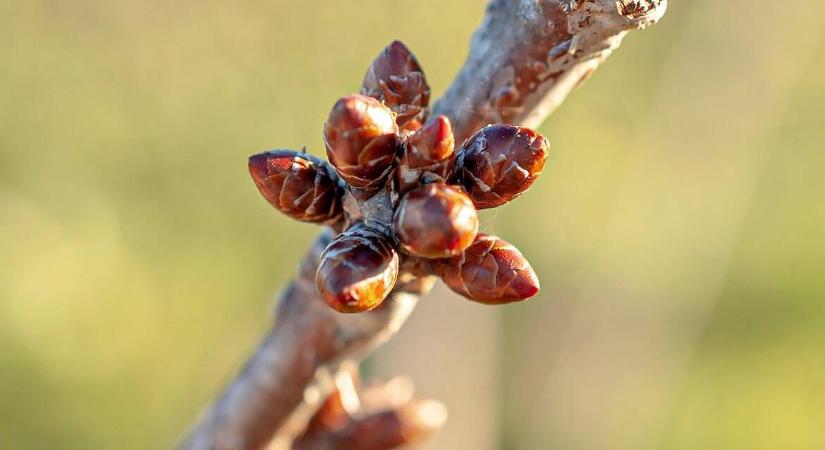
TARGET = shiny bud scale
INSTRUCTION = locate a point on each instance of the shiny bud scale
(357, 271)
(499, 163)
(396, 78)
(361, 140)
(297, 185)
(491, 271)
(435, 221)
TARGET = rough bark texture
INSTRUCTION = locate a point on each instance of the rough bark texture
(294, 364)
(528, 55)
(525, 59)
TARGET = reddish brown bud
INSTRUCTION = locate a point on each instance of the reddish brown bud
(360, 137)
(297, 185)
(396, 78)
(331, 415)
(491, 271)
(358, 270)
(394, 422)
(401, 426)
(427, 155)
(435, 221)
(499, 163)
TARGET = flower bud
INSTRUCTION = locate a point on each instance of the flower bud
(396, 78)
(435, 221)
(358, 270)
(360, 137)
(297, 185)
(499, 163)
(427, 155)
(490, 271)
(399, 426)
(387, 419)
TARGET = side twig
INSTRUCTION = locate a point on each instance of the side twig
(525, 58)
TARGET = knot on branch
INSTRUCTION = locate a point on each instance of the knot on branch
(402, 196)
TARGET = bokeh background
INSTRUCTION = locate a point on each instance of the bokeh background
(679, 231)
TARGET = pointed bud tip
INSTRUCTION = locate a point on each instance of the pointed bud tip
(398, 46)
(264, 164)
(526, 285)
(257, 166)
(438, 131)
(396, 78)
(444, 127)
(396, 59)
(435, 141)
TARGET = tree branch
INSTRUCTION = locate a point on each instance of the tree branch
(527, 56)
(524, 60)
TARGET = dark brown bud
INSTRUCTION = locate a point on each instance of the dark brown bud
(358, 270)
(491, 271)
(396, 78)
(435, 221)
(360, 137)
(499, 163)
(427, 155)
(297, 185)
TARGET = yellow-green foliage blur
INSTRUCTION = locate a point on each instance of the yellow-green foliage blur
(679, 230)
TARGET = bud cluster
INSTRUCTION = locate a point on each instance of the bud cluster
(396, 79)
(384, 155)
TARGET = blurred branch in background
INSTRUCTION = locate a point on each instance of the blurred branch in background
(640, 307)
(525, 58)
(381, 416)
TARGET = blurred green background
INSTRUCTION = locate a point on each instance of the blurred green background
(679, 232)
